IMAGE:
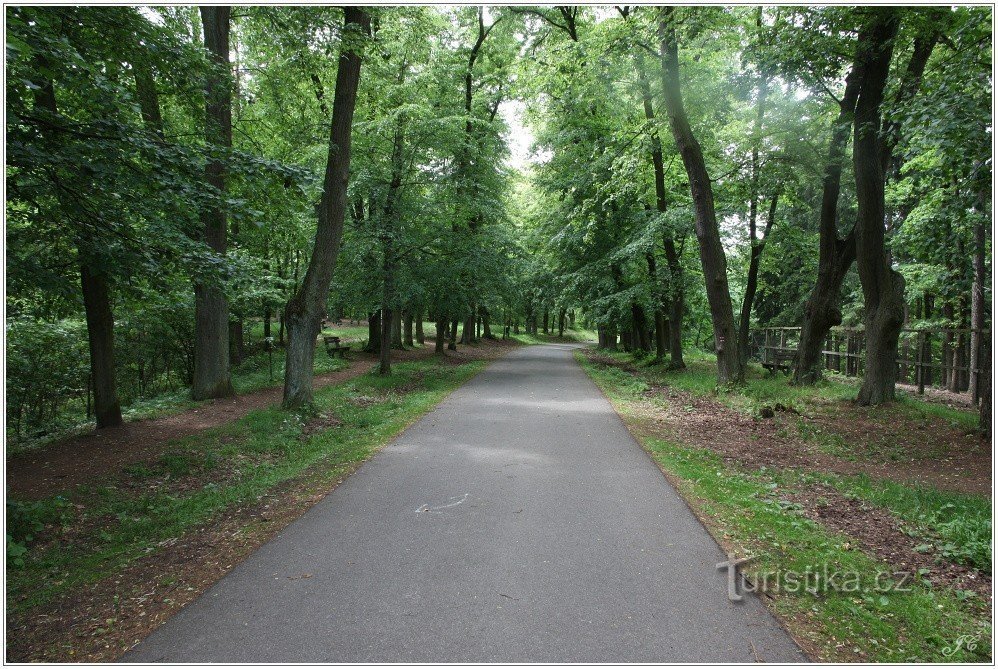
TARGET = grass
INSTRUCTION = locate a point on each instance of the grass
(570, 335)
(859, 621)
(954, 525)
(221, 468)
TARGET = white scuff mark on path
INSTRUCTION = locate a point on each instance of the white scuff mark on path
(454, 501)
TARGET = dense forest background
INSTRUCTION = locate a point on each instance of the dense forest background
(178, 206)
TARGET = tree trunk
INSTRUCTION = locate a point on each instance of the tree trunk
(978, 307)
(211, 308)
(306, 306)
(984, 424)
(468, 333)
(267, 316)
(97, 308)
(835, 256)
(676, 302)
(755, 246)
(397, 330)
(407, 329)
(373, 332)
(752, 280)
(729, 364)
(452, 337)
(420, 337)
(100, 332)
(675, 298)
(822, 310)
(545, 320)
(385, 350)
(486, 324)
(883, 288)
(561, 322)
(441, 337)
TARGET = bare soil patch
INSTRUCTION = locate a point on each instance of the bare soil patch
(874, 440)
(63, 465)
(880, 533)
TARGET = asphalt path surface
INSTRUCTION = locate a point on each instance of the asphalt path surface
(517, 522)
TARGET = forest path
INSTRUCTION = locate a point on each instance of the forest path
(61, 466)
(518, 521)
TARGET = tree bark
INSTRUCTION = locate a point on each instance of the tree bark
(755, 246)
(883, 288)
(305, 308)
(420, 337)
(822, 310)
(984, 423)
(452, 337)
(373, 332)
(675, 299)
(752, 280)
(729, 364)
(441, 337)
(100, 333)
(397, 329)
(978, 307)
(96, 306)
(211, 308)
(385, 350)
(835, 256)
(407, 329)
(486, 323)
(468, 332)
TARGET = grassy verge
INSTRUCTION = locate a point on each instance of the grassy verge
(112, 524)
(842, 618)
(569, 336)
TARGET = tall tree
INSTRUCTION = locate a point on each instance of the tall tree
(730, 368)
(675, 296)
(211, 308)
(883, 287)
(95, 285)
(836, 254)
(756, 246)
(304, 310)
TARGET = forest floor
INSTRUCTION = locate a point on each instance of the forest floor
(152, 516)
(63, 465)
(804, 478)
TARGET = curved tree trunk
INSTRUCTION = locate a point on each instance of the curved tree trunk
(304, 309)
(835, 256)
(755, 245)
(752, 281)
(729, 363)
(822, 311)
(883, 288)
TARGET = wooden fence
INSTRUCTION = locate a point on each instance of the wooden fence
(934, 357)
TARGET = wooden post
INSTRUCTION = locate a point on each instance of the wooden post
(920, 367)
(838, 352)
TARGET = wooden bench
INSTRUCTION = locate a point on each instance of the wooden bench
(334, 347)
(783, 361)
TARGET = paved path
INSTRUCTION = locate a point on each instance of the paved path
(519, 521)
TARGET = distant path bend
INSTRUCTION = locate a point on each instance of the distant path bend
(517, 522)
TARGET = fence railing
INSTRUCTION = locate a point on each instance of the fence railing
(933, 357)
